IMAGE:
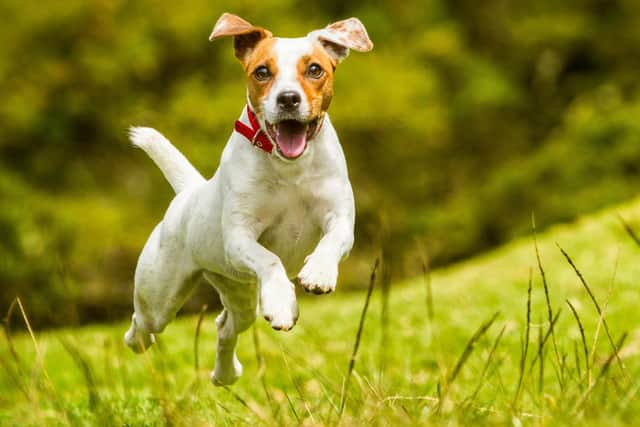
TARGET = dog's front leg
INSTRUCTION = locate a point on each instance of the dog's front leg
(320, 272)
(277, 294)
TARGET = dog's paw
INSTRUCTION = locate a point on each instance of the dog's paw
(226, 375)
(278, 304)
(138, 340)
(319, 275)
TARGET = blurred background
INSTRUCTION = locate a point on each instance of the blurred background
(466, 118)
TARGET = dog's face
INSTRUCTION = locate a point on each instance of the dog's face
(290, 81)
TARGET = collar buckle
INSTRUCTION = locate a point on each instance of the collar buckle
(255, 141)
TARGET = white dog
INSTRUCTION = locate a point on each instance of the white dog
(279, 207)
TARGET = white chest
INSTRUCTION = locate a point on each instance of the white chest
(291, 227)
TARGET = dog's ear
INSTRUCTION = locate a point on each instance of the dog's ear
(245, 35)
(339, 37)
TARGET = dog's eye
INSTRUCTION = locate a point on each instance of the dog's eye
(262, 73)
(315, 71)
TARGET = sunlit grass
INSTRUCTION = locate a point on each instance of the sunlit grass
(444, 360)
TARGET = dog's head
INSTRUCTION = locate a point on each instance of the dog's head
(290, 80)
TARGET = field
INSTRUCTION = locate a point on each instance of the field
(451, 348)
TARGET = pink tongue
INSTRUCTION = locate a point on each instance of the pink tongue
(291, 137)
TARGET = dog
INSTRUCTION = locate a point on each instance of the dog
(279, 208)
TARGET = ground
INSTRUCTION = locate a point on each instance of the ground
(437, 358)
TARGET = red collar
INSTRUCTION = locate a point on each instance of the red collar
(254, 134)
(258, 137)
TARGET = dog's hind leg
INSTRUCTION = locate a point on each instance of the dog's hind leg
(164, 279)
(229, 324)
(228, 368)
(239, 313)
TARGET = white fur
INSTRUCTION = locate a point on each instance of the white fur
(287, 53)
(258, 223)
(175, 167)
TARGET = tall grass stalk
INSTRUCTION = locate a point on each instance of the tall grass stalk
(546, 337)
(483, 373)
(468, 349)
(387, 268)
(262, 368)
(546, 293)
(584, 343)
(352, 361)
(196, 338)
(596, 305)
(525, 345)
(629, 230)
(85, 369)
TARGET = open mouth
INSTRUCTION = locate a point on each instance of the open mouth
(291, 136)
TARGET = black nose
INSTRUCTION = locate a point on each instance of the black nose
(288, 100)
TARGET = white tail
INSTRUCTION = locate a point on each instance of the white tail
(173, 164)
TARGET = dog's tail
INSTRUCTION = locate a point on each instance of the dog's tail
(173, 164)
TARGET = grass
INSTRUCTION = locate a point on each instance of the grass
(483, 342)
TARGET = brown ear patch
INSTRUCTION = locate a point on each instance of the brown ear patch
(232, 25)
(245, 35)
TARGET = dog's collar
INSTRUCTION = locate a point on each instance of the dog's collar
(254, 134)
(257, 136)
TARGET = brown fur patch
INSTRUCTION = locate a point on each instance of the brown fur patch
(318, 91)
(261, 55)
(245, 35)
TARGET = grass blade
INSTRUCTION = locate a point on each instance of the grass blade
(546, 293)
(603, 372)
(352, 361)
(39, 355)
(595, 303)
(6, 323)
(244, 403)
(262, 369)
(527, 337)
(546, 337)
(196, 339)
(426, 274)
(584, 341)
(615, 354)
(387, 268)
(541, 343)
(296, 385)
(481, 380)
(470, 346)
(85, 369)
(629, 230)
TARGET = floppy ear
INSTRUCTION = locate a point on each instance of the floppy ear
(339, 37)
(245, 35)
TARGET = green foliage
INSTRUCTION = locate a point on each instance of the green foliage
(412, 368)
(463, 120)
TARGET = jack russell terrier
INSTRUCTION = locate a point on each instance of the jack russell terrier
(279, 208)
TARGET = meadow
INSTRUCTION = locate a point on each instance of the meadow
(542, 331)
(463, 119)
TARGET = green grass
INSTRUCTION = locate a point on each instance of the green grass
(454, 365)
